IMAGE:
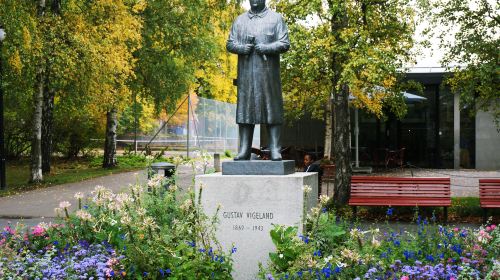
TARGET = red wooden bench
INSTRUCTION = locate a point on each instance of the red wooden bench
(489, 195)
(398, 191)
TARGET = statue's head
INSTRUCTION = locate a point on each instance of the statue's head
(257, 5)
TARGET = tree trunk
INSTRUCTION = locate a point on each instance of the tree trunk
(47, 124)
(110, 142)
(48, 105)
(341, 147)
(328, 132)
(36, 143)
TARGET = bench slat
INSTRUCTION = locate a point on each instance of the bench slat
(489, 193)
(398, 191)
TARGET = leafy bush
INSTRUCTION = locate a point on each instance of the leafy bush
(146, 233)
(334, 249)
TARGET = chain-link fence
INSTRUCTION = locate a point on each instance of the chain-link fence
(197, 124)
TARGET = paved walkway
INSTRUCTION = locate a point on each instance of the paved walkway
(38, 206)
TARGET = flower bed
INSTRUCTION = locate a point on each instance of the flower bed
(146, 233)
(150, 232)
(335, 249)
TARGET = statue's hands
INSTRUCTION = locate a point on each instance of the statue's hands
(247, 48)
(262, 48)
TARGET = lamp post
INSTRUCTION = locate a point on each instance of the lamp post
(3, 184)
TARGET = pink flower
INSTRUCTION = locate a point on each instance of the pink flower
(9, 230)
(405, 278)
(452, 278)
(488, 228)
(493, 227)
(38, 231)
(456, 229)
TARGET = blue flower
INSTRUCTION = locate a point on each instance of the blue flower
(145, 274)
(390, 211)
(191, 243)
(269, 276)
(304, 238)
(233, 250)
(317, 253)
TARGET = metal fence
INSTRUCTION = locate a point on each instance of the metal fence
(198, 124)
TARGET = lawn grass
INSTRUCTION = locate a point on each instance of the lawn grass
(66, 171)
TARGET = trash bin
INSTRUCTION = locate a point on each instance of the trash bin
(163, 168)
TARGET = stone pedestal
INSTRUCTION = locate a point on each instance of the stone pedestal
(258, 167)
(251, 204)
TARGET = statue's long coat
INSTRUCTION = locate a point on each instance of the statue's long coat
(260, 100)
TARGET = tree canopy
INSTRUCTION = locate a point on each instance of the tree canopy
(469, 36)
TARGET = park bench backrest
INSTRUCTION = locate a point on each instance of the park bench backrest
(489, 193)
(400, 191)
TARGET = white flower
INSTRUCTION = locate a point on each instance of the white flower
(323, 199)
(149, 222)
(126, 220)
(315, 211)
(307, 189)
(173, 188)
(281, 256)
(186, 205)
(113, 206)
(112, 222)
(58, 210)
(137, 189)
(341, 264)
(141, 211)
(123, 198)
(99, 189)
(328, 259)
(83, 215)
(64, 204)
(78, 195)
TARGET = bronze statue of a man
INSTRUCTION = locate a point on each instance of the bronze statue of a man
(258, 37)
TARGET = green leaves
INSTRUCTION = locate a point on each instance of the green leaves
(468, 32)
(285, 240)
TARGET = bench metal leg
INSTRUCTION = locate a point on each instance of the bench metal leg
(485, 215)
(445, 214)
